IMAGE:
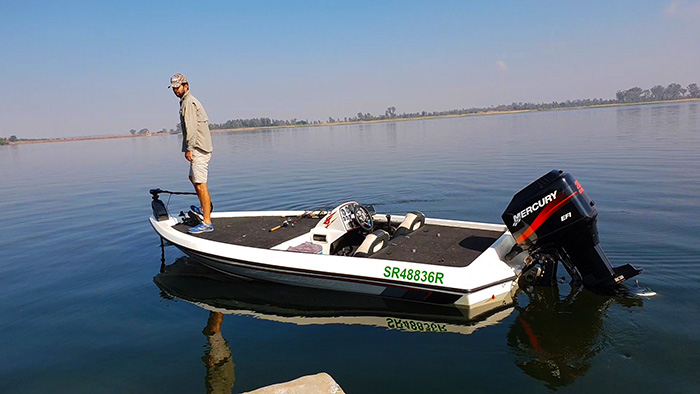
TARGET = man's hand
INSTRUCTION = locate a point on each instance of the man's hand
(188, 156)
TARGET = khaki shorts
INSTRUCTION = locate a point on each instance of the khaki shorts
(199, 166)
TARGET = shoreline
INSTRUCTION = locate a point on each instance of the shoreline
(486, 113)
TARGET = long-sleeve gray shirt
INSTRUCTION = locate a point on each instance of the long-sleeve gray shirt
(195, 125)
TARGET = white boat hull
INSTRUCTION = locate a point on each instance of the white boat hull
(485, 281)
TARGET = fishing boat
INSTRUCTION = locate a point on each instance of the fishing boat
(352, 248)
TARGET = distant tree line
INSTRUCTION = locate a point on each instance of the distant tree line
(148, 132)
(673, 91)
(7, 141)
(260, 122)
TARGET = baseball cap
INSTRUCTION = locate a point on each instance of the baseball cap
(177, 80)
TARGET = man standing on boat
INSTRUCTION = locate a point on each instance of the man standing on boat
(196, 144)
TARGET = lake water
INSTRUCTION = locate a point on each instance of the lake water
(80, 311)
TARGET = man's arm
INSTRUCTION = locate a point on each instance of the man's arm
(190, 119)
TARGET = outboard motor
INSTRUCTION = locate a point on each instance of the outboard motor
(554, 220)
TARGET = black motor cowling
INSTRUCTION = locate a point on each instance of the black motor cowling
(554, 220)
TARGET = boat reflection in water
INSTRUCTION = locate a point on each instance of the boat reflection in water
(555, 337)
(188, 280)
(221, 294)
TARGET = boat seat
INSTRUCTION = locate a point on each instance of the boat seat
(372, 244)
(413, 221)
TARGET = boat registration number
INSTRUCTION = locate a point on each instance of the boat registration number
(411, 325)
(414, 275)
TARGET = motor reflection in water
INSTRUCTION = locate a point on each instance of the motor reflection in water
(554, 338)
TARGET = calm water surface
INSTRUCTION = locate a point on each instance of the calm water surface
(80, 311)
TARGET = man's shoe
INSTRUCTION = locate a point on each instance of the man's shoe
(201, 228)
(197, 211)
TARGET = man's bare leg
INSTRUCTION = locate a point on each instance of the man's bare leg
(204, 199)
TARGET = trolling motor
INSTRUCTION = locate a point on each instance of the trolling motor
(160, 212)
(555, 221)
(158, 207)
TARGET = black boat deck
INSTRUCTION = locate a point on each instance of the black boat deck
(439, 245)
(430, 244)
(255, 231)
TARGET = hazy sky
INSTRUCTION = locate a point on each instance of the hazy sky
(79, 68)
